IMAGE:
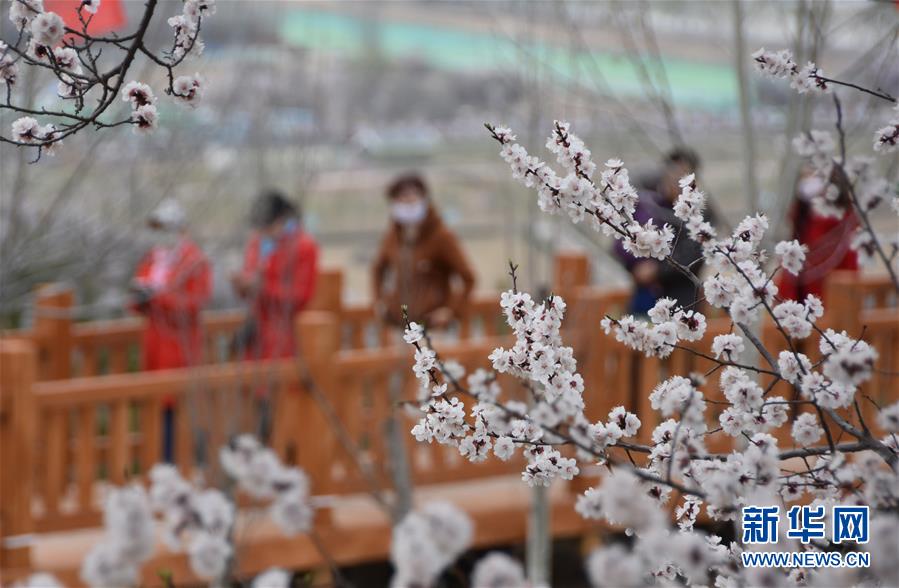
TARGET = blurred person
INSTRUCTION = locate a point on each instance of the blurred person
(277, 278)
(828, 238)
(420, 263)
(654, 279)
(171, 285)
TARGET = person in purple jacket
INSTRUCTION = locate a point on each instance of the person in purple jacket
(654, 279)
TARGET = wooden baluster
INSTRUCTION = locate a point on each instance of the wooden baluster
(318, 338)
(216, 431)
(119, 447)
(86, 455)
(183, 433)
(150, 433)
(328, 290)
(90, 361)
(18, 437)
(571, 270)
(358, 335)
(118, 359)
(54, 434)
(53, 327)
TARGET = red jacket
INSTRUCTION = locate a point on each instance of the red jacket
(828, 242)
(181, 284)
(286, 276)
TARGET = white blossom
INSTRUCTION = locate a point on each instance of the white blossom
(106, 566)
(23, 12)
(614, 567)
(792, 255)
(729, 346)
(498, 570)
(806, 430)
(888, 418)
(272, 578)
(91, 6)
(208, 555)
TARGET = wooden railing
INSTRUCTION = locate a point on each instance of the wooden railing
(69, 438)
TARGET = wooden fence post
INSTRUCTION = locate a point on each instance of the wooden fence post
(843, 302)
(318, 342)
(18, 370)
(328, 291)
(571, 270)
(53, 330)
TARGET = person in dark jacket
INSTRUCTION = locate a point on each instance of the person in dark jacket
(420, 263)
(654, 279)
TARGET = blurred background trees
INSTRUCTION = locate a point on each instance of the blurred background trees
(328, 101)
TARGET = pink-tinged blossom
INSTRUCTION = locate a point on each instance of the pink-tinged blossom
(138, 94)
(47, 29)
(145, 118)
(188, 89)
(26, 130)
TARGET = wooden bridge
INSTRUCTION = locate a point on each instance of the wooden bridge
(77, 416)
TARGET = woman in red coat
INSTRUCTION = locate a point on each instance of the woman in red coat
(277, 279)
(828, 238)
(171, 285)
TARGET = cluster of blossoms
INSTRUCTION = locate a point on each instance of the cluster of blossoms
(886, 140)
(27, 130)
(430, 539)
(678, 458)
(72, 56)
(194, 520)
(844, 182)
(144, 115)
(261, 475)
(197, 521)
(186, 27)
(780, 64)
(608, 202)
(129, 539)
(426, 542)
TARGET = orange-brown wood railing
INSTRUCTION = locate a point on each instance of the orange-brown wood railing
(68, 438)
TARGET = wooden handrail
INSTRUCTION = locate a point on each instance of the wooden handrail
(108, 426)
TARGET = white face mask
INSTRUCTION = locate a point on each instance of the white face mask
(811, 187)
(409, 213)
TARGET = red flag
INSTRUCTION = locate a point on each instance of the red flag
(110, 16)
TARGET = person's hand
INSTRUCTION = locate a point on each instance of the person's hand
(141, 293)
(440, 317)
(646, 272)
